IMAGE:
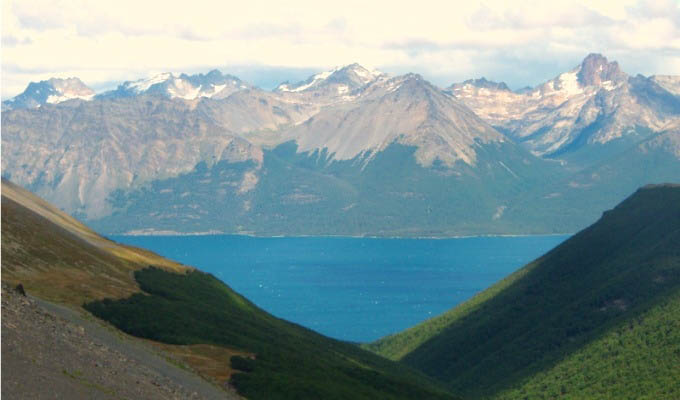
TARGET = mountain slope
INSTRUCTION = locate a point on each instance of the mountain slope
(288, 361)
(618, 171)
(301, 193)
(570, 321)
(187, 313)
(77, 155)
(405, 109)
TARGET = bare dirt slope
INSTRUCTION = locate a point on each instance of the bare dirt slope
(53, 352)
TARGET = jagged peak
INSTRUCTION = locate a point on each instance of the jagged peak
(410, 82)
(481, 83)
(59, 84)
(66, 81)
(214, 75)
(596, 69)
(183, 86)
(50, 91)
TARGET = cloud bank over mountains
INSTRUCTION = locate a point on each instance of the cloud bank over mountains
(129, 40)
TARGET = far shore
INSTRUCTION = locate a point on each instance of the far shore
(151, 232)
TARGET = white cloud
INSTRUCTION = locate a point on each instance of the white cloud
(523, 43)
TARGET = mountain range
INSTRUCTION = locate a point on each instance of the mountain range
(350, 151)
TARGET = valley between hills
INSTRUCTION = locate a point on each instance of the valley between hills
(596, 317)
(353, 152)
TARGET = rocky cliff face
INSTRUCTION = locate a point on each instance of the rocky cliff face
(77, 155)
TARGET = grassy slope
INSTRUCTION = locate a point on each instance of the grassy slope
(573, 320)
(57, 258)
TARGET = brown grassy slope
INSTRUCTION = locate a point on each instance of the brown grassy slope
(210, 361)
(59, 259)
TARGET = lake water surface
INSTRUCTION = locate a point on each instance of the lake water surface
(356, 289)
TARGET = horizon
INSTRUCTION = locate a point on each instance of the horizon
(266, 44)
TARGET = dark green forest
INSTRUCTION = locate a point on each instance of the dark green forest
(290, 362)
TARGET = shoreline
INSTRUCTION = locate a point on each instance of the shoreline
(252, 235)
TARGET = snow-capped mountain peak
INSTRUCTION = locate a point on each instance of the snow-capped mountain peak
(595, 102)
(351, 76)
(187, 87)
(51, 91)
(593, 74)
(479, 83)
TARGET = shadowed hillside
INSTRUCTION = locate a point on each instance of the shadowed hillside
(598, 316)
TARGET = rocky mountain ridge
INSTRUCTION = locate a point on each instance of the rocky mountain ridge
(594, 103)
(341, 79)
(121, 149)
(188, 87)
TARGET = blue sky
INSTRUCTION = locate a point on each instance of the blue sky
(265, 42)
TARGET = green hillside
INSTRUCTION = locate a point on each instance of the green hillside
(289, 361)
(597, 317)
(57, 258)
(598, 177)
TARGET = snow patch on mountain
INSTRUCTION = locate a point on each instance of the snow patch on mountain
(55, 99)
(569, 83)
(314, 80)
(142, 85)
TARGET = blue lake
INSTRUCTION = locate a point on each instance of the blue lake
(356, 289)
